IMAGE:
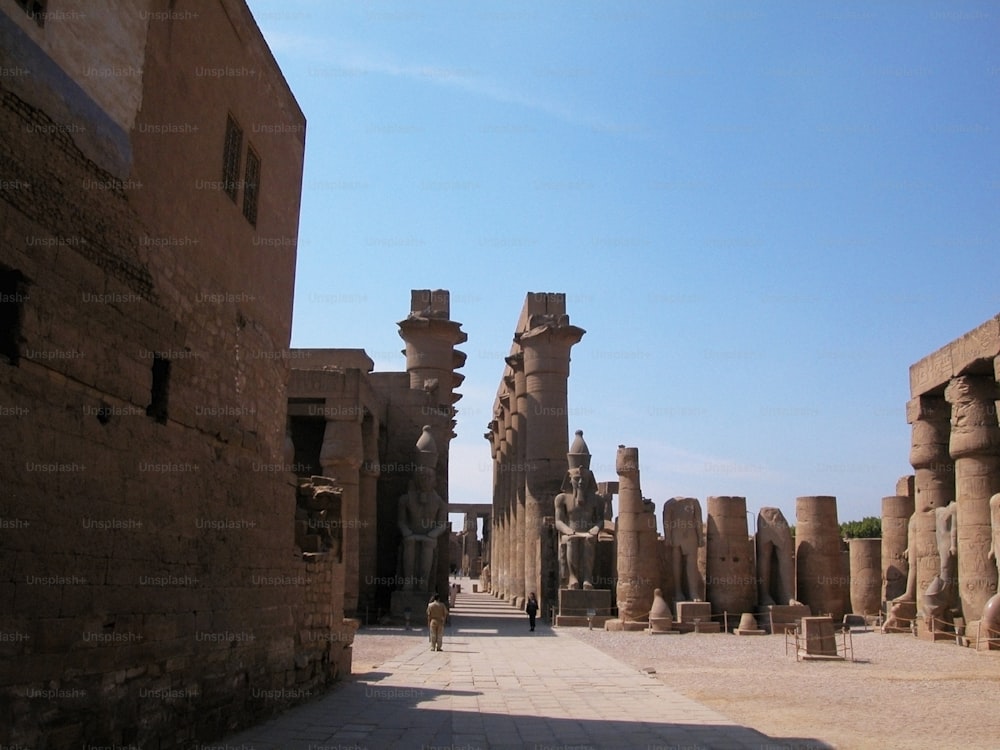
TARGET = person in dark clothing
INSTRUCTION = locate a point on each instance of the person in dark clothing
(532, 609)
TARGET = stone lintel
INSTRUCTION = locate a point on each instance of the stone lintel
(965, 354)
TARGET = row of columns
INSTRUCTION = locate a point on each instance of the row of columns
(529, 438)
(955, 454)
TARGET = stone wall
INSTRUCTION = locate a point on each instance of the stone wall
(151, 592)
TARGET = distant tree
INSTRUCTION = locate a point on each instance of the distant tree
(869, 527)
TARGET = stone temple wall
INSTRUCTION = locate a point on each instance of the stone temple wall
(151, 591)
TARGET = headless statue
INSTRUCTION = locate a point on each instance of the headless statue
(682, 532)
(775, 548)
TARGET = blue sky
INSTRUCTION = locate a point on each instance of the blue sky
(762, 214)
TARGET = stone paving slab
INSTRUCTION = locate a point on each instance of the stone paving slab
(497, 685)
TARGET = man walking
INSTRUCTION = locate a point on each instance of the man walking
(437, 613)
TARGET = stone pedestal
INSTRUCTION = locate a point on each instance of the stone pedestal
(661, 625)
(942, 633)
(748, 626)
(575, 603)
(696, 617)
(818, 639)
(417, 602)
(781, 618)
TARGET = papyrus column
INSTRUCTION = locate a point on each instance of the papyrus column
(866, 575)
(975, 446)
(518, 403)
(731, 581)
(496, 532)
(896, 513)
(819, 568)
(503, 571)
(546, 347)
(934, 486)
(638, 546)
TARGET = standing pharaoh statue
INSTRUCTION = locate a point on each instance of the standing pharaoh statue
(423, 517)
(684, 535)
(939, 595)
(991, 610)
(579, 517)
(775, 550)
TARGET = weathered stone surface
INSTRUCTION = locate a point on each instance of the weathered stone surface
(821, 583)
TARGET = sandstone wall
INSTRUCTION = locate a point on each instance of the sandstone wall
(150, 591)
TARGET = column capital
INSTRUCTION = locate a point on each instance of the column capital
(974, 428)
(928, 408)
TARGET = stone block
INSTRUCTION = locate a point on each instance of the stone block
(781, 618)
(581, 621)
(818, 637)
(688, 612)
(577, 602)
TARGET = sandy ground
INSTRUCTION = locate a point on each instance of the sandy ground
(899, 692)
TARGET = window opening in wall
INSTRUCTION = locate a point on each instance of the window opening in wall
(35, 10)
(251, 184)
(231, 157)
(160, 392)
(13, 295)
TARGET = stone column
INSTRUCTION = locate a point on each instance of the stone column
(866, 576)
(933, 487)
(368, 514)
(519, 423)
(503, 572)
(512, 585)
(819, 570)
(638, 546)
(546, 345)
(731, 580)
(341, 457)
(975, 446)
(495, 533)
(896, 513)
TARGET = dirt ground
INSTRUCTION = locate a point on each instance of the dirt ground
(899, 692)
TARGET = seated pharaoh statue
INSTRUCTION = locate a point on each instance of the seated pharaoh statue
(579, 519)
(423, 517)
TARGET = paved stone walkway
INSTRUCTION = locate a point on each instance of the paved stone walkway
(497, 685)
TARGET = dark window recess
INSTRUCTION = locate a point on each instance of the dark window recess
(160, 392)
(307, 435)
(251, 186)
(231, 158)
(35, 10)
(13, 295)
